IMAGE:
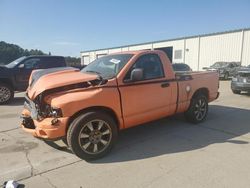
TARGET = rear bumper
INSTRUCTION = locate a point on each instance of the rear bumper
(44, 128)
(240, 86)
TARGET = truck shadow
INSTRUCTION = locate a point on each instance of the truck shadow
(17, 101)
(174, 135)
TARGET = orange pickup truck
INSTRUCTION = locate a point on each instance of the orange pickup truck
(88, 108)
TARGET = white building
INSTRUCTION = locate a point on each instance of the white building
(196, 51)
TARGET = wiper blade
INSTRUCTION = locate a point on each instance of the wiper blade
(102, 81)
(93, 72)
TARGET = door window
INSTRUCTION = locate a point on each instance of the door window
(32, 63)
(151, 66)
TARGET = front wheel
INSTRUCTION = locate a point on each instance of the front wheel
(92, 135)
(198, 109)
(6, 93)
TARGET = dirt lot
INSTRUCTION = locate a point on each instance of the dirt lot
(166, 153)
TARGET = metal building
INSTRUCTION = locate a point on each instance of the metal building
(196, 51)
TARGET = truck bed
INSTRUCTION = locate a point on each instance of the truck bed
(190, 82)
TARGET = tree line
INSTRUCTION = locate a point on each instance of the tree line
(10, 52)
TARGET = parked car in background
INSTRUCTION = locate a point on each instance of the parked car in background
(88, 108)
(15, 75)
(241, 80)
(225, 69)
(180, 67)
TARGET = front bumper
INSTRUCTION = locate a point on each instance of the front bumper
(44, 129)
(240, 86)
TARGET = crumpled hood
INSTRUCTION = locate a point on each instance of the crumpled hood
(42, 80)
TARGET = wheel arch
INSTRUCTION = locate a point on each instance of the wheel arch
(104, 109)
(203, 91)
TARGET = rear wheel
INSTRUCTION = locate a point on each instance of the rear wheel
(92, 135)
(198, 109)
(6, 93)
(236, 91)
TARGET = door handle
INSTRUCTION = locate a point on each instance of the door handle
(166, 84)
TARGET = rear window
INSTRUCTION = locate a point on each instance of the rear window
(51, 62)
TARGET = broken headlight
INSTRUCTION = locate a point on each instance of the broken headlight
(56, 112)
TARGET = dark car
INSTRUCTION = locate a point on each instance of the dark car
(225, 69)
(241, 80)
(15, 75)
(181, 67)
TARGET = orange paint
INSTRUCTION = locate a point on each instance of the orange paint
(132, 103)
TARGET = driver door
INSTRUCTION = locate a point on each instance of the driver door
(148, 99)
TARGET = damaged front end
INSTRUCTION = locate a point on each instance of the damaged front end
(38, 109)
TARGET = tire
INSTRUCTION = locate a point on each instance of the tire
(226, 76)
(236, 91)
(92, 135)
(198, 105)
(6, 93)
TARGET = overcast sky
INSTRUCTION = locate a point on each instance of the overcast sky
(66, 27)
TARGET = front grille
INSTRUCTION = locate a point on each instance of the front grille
(31, 106)
(243, 79)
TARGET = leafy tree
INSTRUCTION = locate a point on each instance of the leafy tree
(10, 52)
(73, 61)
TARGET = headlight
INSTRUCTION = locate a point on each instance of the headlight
(56, 112)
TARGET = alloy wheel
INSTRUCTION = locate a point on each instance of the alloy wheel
(5, 94)
(200, 109)
(95, 136)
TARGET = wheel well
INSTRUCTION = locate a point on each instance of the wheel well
(203, 91)
(94, 108)
(6, 81)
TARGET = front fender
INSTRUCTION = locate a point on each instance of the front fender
(72, 102)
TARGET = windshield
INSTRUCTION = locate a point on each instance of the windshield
(219, 64)
(108, 66)
(15, 62)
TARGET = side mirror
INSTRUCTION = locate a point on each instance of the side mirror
(21, 66)
(136, 75)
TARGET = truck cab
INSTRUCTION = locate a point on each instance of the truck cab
(15, 75)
